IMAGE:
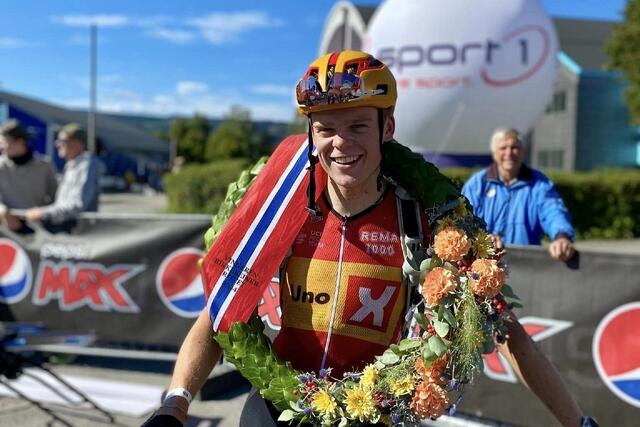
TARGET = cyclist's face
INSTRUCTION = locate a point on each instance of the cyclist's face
(348, 145)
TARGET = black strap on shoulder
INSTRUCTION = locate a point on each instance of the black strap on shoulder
(410, 218)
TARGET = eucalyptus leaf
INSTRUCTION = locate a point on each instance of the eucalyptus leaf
(428, 354)
(408, 344)
(437, 345)
(442, 328)
(421, 319)
(287, 415)
(389, 357)
(449, 317)
(516, 305)
(507, 291)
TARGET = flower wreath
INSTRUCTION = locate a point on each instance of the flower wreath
(463, 307)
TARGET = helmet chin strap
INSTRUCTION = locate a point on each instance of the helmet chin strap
(380, 179)
(312, 208)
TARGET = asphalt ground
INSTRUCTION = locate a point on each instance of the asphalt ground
(222, 409)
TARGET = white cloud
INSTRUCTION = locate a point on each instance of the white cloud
(10, 42)
(174, 36)
(271, 89)
(187, 98)
(189, 87)
(103, 21)
(218, 28)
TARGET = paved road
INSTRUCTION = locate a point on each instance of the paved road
(133, 203)
(224, 411)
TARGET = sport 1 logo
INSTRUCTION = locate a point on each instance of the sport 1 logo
(616, 352)
(179, 283)
(15, 272)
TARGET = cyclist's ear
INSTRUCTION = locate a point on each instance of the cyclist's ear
(389, 127)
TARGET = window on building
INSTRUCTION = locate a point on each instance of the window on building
(551, 159)
(558, 103)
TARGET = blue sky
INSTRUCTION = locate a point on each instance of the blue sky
(175, 57)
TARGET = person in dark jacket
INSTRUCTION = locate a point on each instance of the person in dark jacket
(25, 179)
(518, 203)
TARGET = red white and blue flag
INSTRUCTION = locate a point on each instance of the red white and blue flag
(248, 252)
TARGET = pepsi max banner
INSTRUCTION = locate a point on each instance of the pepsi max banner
(136, 281)
(133, 281)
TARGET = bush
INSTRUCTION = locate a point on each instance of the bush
(201, 188)
(604, 204)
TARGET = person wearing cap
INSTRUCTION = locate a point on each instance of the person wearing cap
(25, 180)
(324, 325)
(519, 204)
(79, 188)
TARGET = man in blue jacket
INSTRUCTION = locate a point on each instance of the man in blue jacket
(519, 204)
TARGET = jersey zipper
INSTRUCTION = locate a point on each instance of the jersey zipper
(335, 294)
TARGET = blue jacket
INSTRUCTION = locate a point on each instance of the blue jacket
(522, 212)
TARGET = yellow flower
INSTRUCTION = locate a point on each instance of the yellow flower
(403, 386)
(369, 376)
(360, 404)
(483, 245)
(461, 210)
(324, 403)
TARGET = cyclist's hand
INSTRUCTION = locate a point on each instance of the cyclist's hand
(172, 413)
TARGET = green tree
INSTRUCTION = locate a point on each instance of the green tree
(297, 125)
(191, 136)
(236, 137)
(624, 55)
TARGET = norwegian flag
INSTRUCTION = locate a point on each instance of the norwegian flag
(248, 252)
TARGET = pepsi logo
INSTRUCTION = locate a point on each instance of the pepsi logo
(179, 283)
(616, 352)
(15, 272)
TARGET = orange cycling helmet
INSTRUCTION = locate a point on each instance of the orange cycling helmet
(344, 80)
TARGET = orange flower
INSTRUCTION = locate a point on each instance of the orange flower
(439, 283)
(421, 369)
(486, 277)
(451, 244)
(429, 401)
(433, 373)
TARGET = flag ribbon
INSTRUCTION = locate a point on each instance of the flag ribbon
(249, 250)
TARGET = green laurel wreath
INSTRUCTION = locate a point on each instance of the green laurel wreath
(249, 349)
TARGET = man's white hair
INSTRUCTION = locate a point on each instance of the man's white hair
(501, 133)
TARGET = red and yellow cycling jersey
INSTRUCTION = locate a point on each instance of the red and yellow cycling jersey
(342, 294)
